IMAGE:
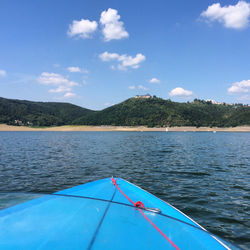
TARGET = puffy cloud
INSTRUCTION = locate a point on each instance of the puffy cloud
(131, 87)
(180, 92)
(125, 61)
(112, 28)
(83, 28)
(47, 78)
(142, 87)
(231, 16)
(77, 69)
(105, 56)
(61, 83)
(133, 62)
(154, 80)
(240, 87)
(2, 72)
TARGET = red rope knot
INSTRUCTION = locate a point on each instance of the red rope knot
(139, 204)
(113, 180)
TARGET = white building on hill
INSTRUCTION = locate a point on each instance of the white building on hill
(147, 96)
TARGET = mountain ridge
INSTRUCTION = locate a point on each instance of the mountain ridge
(151, 112)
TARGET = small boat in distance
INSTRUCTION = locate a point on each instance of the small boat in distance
(110, 213)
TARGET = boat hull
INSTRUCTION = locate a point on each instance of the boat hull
(97, 215)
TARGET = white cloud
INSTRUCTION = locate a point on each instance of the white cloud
(131, 87)
(106, 57)
(240, 87)
(61, 83)
(112, 28)
(47, 78)
(180, 92)
(133, 62)
(2, 72)
(125, 61)
(231, 16)
(154, 80)
(69, 95)
(73, 69)
(83, 28)
(60, 89)
(142, 87)
(77, 69)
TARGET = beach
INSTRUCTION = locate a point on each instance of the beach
(4, 127)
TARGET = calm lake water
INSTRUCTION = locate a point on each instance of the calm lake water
(205, 175)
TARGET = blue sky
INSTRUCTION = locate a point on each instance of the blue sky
(98, 53)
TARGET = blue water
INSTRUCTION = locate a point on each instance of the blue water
(203, 174)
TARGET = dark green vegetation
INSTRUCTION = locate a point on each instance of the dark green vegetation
(39, 113)
(132, 112)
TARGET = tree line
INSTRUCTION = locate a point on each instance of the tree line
(152, 112)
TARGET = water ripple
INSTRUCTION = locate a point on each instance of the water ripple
(205, 175)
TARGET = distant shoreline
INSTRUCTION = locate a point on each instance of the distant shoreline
(4, 127)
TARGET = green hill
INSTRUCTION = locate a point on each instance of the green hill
(132, 112)
(158, 112)
(39, 113)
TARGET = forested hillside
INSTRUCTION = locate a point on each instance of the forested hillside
(159, 112)
(39, 113)
(132, 112)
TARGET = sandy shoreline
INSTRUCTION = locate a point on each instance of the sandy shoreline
(4, 127)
